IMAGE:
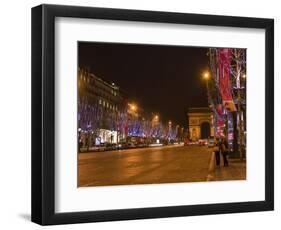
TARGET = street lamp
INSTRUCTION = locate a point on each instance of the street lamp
(132, 107)
(206, 75)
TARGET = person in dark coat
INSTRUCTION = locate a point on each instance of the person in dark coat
(217, 151)
(224, 151)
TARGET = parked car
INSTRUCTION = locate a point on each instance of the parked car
(121, 145)
(131, 145)
(110, 146)
(141, 145)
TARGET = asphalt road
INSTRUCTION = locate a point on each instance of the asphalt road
(169, 164)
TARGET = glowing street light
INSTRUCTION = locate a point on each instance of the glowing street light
(133, 107)
(206, 75)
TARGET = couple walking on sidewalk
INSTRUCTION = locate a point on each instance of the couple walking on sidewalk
(221, 148)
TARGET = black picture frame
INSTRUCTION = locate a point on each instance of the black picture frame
(43, 114)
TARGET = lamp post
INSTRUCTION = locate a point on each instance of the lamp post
(154, 124)
(169, 130)
(177, 133)
(132, 117)
(206, 77)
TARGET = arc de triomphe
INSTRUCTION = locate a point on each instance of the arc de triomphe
(200, 123)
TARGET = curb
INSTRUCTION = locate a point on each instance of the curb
(211, 171)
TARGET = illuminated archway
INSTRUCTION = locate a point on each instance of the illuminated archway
(200, 123)
(205, 130)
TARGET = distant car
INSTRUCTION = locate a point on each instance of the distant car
(110, 146)
(165, 142)
(121, 145)
(191, 143)
(98, 148)
(131, 145)
(186, 142)
(211, 142)
(141, 145)
(203, 142)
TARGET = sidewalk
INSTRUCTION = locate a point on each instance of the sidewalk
(235, 171)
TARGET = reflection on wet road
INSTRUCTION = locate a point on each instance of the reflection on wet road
(169, 164)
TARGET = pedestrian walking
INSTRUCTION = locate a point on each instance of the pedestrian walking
(217, 151)
(224, 151)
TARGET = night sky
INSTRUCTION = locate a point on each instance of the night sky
(162, 79)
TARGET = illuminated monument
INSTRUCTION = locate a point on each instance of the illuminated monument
(200, 123)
